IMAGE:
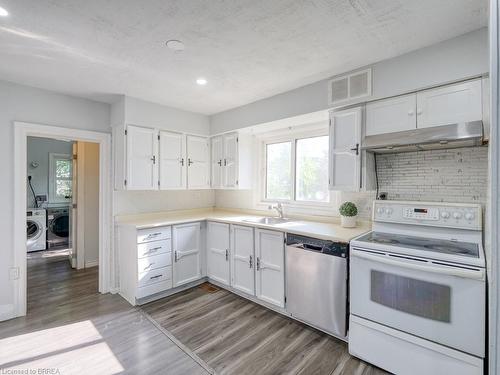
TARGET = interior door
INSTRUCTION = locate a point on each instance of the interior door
(172, 164)
(242, 259)
(186, 246)
(391, 115)
(73, 233)
(141, 158)
(449, 104)
(218, 252)
(198, 162)
(217, 159)
(269, 266)
(231, 160)
(345, 155)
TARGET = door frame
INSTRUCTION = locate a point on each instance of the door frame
(23, 130)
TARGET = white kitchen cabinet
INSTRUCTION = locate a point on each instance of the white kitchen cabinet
(232, 161)
(450, 104)
(218, 266)
(141, 159)
(391, 115)
(242, 259)
(345, 155)
(198, 162)
(217, 157)
(172, 160)
(186, 247)
(269, 266)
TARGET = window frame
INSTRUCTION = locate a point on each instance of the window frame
(53, 158)
(291, 136)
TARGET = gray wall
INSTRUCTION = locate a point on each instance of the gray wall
(451, 60)
(23, 103)
(38, 151)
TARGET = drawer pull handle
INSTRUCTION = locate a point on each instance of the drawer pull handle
(153, 250)
(250, 262)
(148, 267)
(155, 277)
(151, 235)
(227, 255)
(175, 256)
(258, 263)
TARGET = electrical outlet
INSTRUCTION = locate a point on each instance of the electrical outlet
(14, 273)
(41, 198)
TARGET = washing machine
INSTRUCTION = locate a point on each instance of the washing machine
(57, 227)
(36, 229)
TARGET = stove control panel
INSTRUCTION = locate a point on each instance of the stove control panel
(467, 216)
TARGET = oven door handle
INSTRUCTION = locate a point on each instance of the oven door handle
(477, 274)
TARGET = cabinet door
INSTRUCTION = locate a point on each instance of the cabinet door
(141, 158)
(242, 259)
(172, 161)
(345, 159)
(186, 246)
(231, 160)
(198, 162)
(269, 266)
(218, 252)
(391, 115)
(216, 162)
(449, 104)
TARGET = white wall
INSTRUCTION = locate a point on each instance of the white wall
(38, 151)
(454, 59)
(91, 206)
(23, 103)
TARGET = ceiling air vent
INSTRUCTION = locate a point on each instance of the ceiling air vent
(351, 86)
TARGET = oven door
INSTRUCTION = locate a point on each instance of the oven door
(439, 302)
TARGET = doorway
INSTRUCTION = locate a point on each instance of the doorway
(83, 212)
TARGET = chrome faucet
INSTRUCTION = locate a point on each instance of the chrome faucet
(278, 207)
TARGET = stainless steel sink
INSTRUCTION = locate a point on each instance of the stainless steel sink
(268, 220)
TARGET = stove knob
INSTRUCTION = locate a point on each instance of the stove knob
(457, 215)
(445, 215)
(388, 211)
(469, 216)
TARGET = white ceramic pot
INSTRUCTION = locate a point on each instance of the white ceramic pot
(348, 221)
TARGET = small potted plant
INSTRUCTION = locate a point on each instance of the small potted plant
(348, 214)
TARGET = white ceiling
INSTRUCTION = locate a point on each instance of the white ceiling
(247, 49)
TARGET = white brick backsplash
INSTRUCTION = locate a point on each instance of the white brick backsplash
(454, 175)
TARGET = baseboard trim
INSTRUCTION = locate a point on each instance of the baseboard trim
(93, 263)
(7, 312)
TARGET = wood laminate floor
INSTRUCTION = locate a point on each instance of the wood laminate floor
(72, 329)
(236, 336)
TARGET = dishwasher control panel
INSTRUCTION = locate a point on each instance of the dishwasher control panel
(339, 249)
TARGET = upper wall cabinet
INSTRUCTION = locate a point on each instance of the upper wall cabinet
(445, 105)
(152, 159)
(345, 158)
(232, 161)
(198, 162)
(449, 104)
(391, 115)
(142, 158)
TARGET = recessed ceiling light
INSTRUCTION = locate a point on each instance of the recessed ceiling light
(3, 12)
(175, 45)
(201, 81)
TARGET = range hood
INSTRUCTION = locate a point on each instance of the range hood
(438, 137)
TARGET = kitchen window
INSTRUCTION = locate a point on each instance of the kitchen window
(296, 169)
(60, 178)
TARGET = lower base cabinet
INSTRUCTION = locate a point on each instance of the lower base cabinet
(186, 246)
(270, 266)
(218, 265)
(242, 259)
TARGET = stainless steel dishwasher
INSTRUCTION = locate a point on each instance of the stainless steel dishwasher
(316, 275)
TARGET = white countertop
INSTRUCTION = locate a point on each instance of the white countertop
(327, 230)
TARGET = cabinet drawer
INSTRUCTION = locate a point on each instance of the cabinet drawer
(151, 289)
(154, 262)
(153, 248)
(153, 234)
(155, 276)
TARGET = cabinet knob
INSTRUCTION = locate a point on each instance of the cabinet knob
(411, 112)
(419, 111)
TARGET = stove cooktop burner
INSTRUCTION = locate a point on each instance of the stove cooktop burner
(426, 244)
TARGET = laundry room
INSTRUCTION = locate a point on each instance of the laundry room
(56, 181)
